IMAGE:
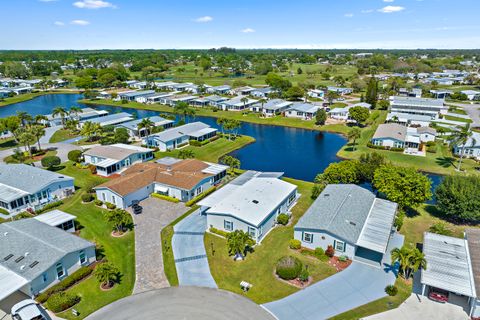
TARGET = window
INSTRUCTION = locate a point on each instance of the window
(252, 232)
(81, 257)
(44, 277)
(260, 231)
(104, 197)
(308, 237)
(60, 270)
(228, 225)
(339, 246)
(113, 200)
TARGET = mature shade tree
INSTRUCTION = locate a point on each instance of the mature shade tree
(354, 134)
(321, 117)
(458, 197)
(331, 96)
(359, 114)
(230, 161)
(119, 218)
(405, 186)
(277, 82)
(369, 163)
(182, 108)
(15, 70)
(186, 154)
(340, 172)
(121, 135)
(294, 93)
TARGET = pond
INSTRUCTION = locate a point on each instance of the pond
(299, 153)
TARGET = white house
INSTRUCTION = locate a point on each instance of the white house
(134, 95)
(471, 149)
(340, 113)
(261, 92)
(472, 94)
(351, 220)
(394, 135)
(409, 119)
(251, 202)
(135, 132)
(180, 179)
(304, 111)
(225, 89)
(272, 107)
(36, 256)
(236, 104)
(24, 187)
(177, 137)
(83, 115)
(110, 120)
(315, 93)
(59, 219)
(340, 91)
(215, 100)
(115, 158)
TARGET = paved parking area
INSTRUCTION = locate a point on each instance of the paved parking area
(7, 304)
(357, 285)
(182, 303)
(156, 215)
(189, 252)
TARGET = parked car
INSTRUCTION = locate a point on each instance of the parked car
(438, 295)
(29, 310)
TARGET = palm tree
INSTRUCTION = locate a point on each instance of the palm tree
(24, 117)
(61, 112)
(182, 108)
(39, 118)
(75, 111)
(237, 242)
(106, 273)
(402, 257)
(221, 122)
(416, 261)
(460, 138)
(146, 124)
(26, 138)
(354, 134)
(262, 102)
(244, 100)
(90, 129)
(38, 131)
(186, 154)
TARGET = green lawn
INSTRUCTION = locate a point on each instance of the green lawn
(8, 143)
(258, 267)
(93, 227)
(62, 135)
(10, 159)
(212, 151)
(459, 119)
(29, 96)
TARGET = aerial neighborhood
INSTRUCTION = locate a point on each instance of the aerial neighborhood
(293, 184)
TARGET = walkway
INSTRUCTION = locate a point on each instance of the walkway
(62, 150)
(148, 246)
(473, 110)
(49, 131)
(177, 303)
(189, 252)
(355, 286)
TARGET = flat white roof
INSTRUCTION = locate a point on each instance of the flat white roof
(252, 201)
(215, 168)
(55, 217)
(448, 264)
(9, 282)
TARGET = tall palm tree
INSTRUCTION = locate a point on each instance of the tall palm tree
(182, 108)
(354, 134)
(90, 129)
(244, 100)
(24, 117)
(74, 111)
(61, 112)
(262, 103)
(146, 124)
(416, 261)
(39, 118)
(402, 257)
(460, 138)
(38, 132)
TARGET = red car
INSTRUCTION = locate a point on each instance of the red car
(438, 295)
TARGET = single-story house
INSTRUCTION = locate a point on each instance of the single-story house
(180, 179)
(352, 220)
(177, 137)
(340, 91)
(471, 94)
(409, 119)
(4, 93)
(315, 93)
(215, 100)
(453, 265)
(59, 219)
(251, 202)
(272, 107)
(24, 187)
(415, 92)
(133, 95)
(471, 149)
(110, 120)
(394, 135)
(225, 89)
(175, 99)
(139, 85)
(135, 132)
(36, 256)
(441, 94)
(420, 106)
(236, 104)
(340, 113)
(182, 86)
(115, 158)
(243, 91)
(165, 85)
(261, 92)
(304, 111)
(83, 115)
(153, 97)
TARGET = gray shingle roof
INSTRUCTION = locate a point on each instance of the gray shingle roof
(44, 244)
(341, 209)
(391, 130)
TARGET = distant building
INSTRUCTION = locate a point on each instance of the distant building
(304, 111)
(83, 115)
(236, 104)
(177, 137)
(135, 132)
(272, 107)
(471, 149)
(420, 106)
(393, 135)
(110, 120)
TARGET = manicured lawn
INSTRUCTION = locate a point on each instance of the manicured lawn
(93, 227)
(49, 153)
(212, 151)
(29, 96)
(250, 117)
(168, 258)
(8, 143)
(258, 267)
(62, 135)
(459, 119)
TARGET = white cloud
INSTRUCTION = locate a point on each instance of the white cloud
(80, 22)
(248, 30)
(59, 23)
(47, 0)
(391, 9)
(348, 15)
(204, 19)
(367, 11)
(388, 0)
(93, 4)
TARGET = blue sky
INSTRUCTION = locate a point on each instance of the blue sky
(112, 24)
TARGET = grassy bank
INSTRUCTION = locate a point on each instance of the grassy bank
(250, 117)
(32, 95)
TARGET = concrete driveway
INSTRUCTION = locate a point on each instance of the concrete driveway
(182, 303)
(62, 150)
(148, 246)
(473, 110)
(49, 131)
(189, 252)
(355, 286)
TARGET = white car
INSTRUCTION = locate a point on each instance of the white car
(29, 310)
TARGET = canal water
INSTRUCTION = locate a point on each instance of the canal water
(299, 153)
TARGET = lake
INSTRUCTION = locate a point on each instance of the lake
(299, 153)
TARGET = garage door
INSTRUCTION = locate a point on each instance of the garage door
(368, 256)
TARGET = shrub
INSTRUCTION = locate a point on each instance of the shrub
(304, 275)
(61, 301)
(219, 232)
(431, 149)
(195, 143)
(50, 206)
(98, 203)
(398, 223)
(50, 161)
(283, 219)
(66, 283)
(330, 252)
(87, 197)
(92, 168)
(110, 206)
(200, 197)
(75, 155)
(431, 144)
(3, 211)
(343, 258)
(295, 244)
(289, 268)
(391, 290)
(319, 252)
(164, 197)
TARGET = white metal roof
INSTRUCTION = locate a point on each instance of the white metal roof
(215, 168)
(8, 193)
(202, 132)
(55, 217)
(377, 228)
(106, 163)
(448, 264)
(9, 282)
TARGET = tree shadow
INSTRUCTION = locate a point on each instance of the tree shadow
(56, 168)
(445, 162)
(437, 213)
(78, 225)
(100, 252)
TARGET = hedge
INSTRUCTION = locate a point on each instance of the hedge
(49, 206)
(3, 211)
(87, 197)
(218, 232)
(98, 203)
(200, 197)
(110, 206)
(164, 197)
(372, 146)
(66, 283)
(61, 301)
(283, 219)
(289, 268)
(295, 244)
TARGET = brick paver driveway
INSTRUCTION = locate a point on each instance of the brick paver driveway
(148, 246)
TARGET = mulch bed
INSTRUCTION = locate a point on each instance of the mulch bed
(117, 234)
(106, 287)
(339, 265)
(295, 282)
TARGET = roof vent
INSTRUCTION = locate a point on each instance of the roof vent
(33, 264)
(19, 259)
(352, 223)
(5, 234)
(326, 195)
(8, 257)
(255, 201)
